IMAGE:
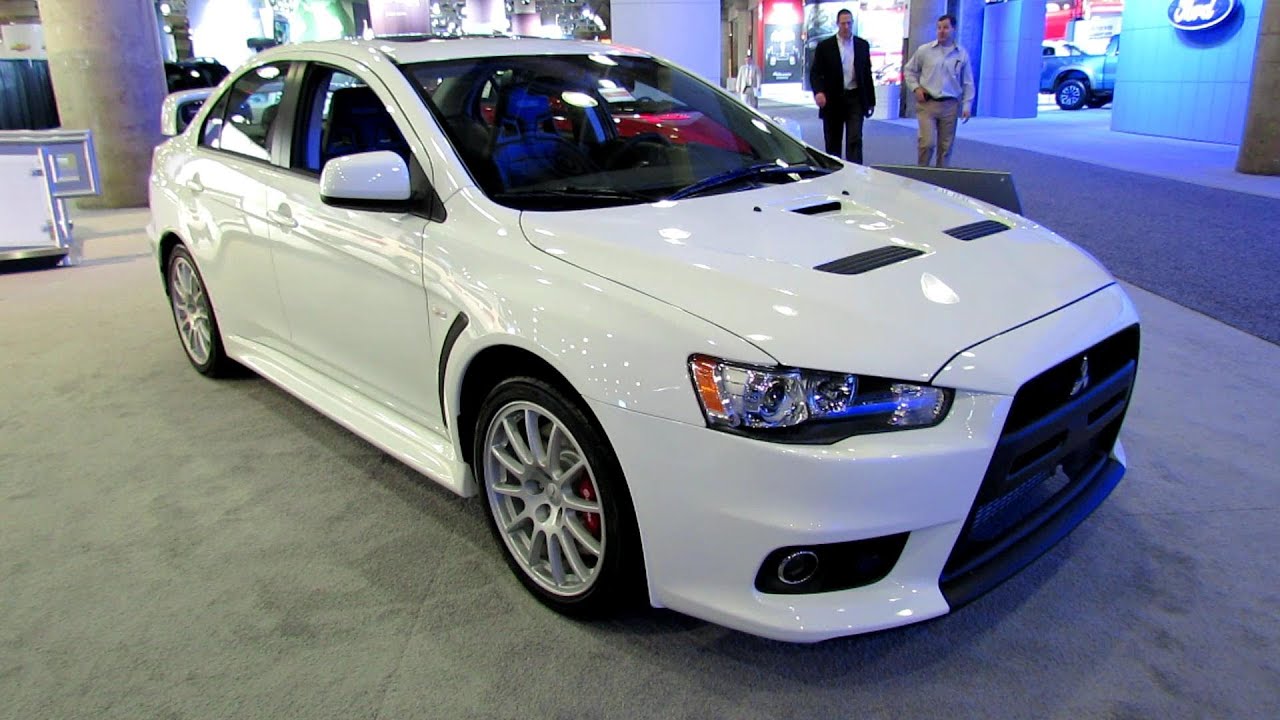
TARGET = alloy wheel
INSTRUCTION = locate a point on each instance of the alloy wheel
(191, 310)
(544, 499)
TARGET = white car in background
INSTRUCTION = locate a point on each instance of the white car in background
(683, 357)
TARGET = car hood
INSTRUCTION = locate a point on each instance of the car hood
(746, 261)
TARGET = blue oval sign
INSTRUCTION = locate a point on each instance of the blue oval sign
(1199, 14)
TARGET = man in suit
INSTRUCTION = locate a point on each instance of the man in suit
(842, 87)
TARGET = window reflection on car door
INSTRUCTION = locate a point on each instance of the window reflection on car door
(225, 218)
(351, 280)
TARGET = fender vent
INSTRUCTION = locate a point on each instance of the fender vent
(973, 231)
(869, 260)
(819, 209)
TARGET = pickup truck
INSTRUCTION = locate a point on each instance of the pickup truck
(1077, 78)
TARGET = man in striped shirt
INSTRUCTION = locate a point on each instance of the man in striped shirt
(941, 77)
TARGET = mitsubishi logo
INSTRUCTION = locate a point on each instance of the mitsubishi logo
(1083, 381)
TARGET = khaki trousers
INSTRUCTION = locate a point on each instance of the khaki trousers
(937, 120)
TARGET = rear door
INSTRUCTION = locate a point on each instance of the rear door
(224, 203)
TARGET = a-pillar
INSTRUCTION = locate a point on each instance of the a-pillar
(108, 76)
(686, 32)
(525, 18)
(485, 16)
(1260, 148)
(922, 27)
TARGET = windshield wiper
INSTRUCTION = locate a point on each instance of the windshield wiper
(577, 193)
(751, 171)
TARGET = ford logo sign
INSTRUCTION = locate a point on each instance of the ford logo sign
(1199, 14)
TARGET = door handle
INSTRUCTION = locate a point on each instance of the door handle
(283, 219)
(195, 186)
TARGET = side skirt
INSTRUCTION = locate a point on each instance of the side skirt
(417, 446)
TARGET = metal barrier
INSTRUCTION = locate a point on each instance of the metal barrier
(39, 171)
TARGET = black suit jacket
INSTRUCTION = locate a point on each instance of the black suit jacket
(827, 74)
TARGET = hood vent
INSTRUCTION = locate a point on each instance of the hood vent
(821, 208)
(973, 231)
(869, 260)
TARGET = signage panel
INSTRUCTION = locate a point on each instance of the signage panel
(1199, 14)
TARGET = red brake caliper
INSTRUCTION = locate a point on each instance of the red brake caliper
(590, 520)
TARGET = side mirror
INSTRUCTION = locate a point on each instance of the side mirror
(376, 180)
(180, 109)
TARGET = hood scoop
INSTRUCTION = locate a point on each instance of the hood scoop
(973, 231)
(869, 260)
(820, 209)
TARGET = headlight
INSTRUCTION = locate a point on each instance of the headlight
(808, 406)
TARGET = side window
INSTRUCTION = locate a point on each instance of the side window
(211, 133)
(243, 121)
(341, 115)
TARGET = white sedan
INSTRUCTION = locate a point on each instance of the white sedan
(682, 357)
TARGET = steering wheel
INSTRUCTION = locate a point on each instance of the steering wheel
(629, 145)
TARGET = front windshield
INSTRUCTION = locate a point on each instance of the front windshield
(554, 132)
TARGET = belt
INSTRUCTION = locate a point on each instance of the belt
(927, 96)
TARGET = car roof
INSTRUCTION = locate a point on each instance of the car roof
(414, 49)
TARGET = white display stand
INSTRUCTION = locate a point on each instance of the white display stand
(39, 171)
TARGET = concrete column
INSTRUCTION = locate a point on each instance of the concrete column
(1013, 33)
(525, 18)
(104, 59)
(484, 16)
(922, 27)
(686, 32)
(1260, 148)
(970, 15)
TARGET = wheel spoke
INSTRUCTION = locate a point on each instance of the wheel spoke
(533, 432)
(555, 557)
(516, 521)
(584, 538)
(555, 441)
(575, 560)
(517, 442)
(537, 545)
(512, 465)
(515, 490)
(566, 477)
(573, 502)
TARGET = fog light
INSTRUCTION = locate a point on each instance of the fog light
(797, 568)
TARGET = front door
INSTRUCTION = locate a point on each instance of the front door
(351, 280)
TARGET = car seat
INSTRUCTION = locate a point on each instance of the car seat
(526, 149)
(359, 122)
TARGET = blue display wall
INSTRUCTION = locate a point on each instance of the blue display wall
(1184, 83)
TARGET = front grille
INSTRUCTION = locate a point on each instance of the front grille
(1054, 445)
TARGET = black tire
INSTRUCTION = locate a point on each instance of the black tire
(617, 575)
(1072, 93)
(1097, 102)
(187, 293)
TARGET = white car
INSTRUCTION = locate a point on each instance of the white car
(684, 358)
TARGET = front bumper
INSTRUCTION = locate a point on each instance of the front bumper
(712, 506)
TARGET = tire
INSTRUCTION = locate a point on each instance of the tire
(577, 562)
(1071, 93)
(193, 316)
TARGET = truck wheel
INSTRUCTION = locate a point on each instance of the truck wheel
(1071, 94)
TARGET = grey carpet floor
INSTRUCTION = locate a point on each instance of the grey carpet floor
(175, 547)
(1212, 250)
